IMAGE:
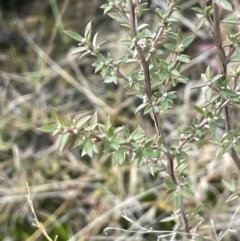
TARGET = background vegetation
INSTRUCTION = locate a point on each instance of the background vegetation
(78, 197)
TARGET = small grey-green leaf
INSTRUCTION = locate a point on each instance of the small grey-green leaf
(200, 110)
(183, 58)
(83, 120)
(95, 40)
(117, 16)
(237, 148)
(64, 140)
(84, 54)
(200, 23)
(178, 201)
(79, 50)
(230, 186)
(88, 147)
(188, 40)
(170, 184)
(88, 30)
(234, 21)
(169, 47)
(167, 219)
(48, 128)
(142, 26)
(94, 120)
(227, 147)
(73, 35)
(224, 4)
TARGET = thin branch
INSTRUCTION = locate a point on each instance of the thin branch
(143, 61)
(218, 40)
(223, 60)
(147, 89)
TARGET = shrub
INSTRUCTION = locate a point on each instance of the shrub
(159, 58)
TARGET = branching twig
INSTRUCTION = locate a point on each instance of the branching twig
(223, 60)
(147, 87)
(218, 40)
(148, 91)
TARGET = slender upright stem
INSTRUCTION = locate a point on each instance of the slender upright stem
(223, 61)
(144, 62)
